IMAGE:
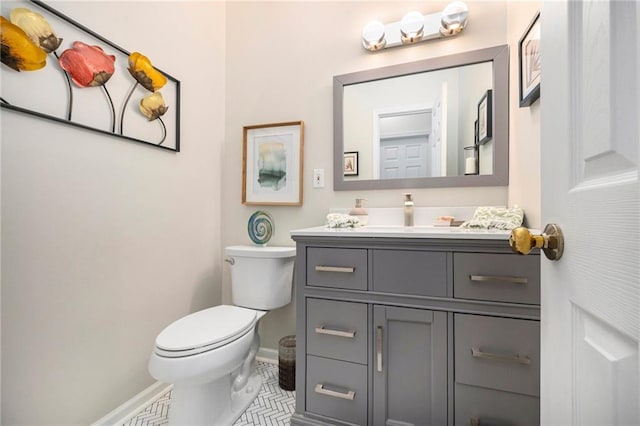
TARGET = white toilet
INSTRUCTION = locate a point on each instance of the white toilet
(209, 356)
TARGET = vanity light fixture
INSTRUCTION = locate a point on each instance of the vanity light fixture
(415, 27)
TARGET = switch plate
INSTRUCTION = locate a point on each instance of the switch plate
(318, 178)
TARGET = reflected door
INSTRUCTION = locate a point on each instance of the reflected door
(590, 310)
(403, 157)
(438, 154)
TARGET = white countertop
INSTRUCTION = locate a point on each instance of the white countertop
(371, 231)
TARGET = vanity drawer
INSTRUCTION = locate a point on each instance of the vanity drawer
(476, 406)
(337, 389)
(497, 277)
(336, 267)
(497, 353)
(337, 330)
(410, 272)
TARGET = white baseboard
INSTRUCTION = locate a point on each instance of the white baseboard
(132, 407)
(139, 402)
(267, 355)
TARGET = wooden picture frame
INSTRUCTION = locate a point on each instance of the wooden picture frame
(272, 164)
(485, 118)
(529, 63)
(351, 164)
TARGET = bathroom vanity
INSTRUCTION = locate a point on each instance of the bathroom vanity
(415, 326)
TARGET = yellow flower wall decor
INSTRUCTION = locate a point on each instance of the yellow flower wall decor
(152, 106)
(36, 27)
(18, 51)
(141, 69)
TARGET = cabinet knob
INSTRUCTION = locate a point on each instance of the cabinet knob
(551, 241)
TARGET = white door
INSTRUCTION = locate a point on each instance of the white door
(590, 319)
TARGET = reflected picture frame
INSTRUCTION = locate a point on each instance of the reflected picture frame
(272, 164)
(485, 118)
(529, 61)
(351, 163)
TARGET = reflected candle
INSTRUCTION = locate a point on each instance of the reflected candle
(470, 166)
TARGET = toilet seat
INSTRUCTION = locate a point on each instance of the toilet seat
(205, 330)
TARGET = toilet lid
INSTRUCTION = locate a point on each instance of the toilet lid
(205, 330)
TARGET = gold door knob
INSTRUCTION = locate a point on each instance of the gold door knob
(551, 241)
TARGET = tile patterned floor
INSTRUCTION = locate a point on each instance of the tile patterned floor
(273, 406)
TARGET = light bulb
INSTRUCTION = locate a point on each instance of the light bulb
(412, 27)
(454, 18)
(373, 36)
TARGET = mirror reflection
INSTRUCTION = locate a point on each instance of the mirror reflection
(418, 125)
(439, 122)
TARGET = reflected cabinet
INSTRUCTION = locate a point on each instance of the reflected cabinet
(419, 332)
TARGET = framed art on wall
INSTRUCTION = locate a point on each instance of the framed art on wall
(529, 63)
(485, 118)
(272, 164)
(57, 69)
(351, 163)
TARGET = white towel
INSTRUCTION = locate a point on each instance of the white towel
(339, 220)
(495, 218)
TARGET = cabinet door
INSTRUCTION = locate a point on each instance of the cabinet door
(409, 366)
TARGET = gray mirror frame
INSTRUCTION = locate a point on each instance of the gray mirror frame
(499, 55)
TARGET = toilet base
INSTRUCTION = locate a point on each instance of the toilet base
(242, 399)
(208, 403)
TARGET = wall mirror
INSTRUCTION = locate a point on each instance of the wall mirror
(440, 122)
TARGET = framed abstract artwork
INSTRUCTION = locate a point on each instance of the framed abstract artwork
(529, 63)
(272, 164)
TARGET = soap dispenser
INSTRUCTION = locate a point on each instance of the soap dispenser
(360, 212)
(408, 209)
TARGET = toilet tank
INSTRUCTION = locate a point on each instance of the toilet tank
(261, 276)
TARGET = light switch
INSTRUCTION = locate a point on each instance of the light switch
(318, 178)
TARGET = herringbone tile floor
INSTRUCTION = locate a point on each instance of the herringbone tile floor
(273, 406)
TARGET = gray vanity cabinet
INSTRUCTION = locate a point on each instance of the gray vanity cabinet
(409, 383)
(416, 331)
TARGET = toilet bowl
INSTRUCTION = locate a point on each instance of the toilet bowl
(209, 356)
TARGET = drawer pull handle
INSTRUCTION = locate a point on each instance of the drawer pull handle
(515, 280)
(322, 391)
(350, 334)
(519, 359)
(343, 269)
(379, 349)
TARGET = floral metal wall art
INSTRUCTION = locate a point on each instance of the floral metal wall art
(147, 97)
